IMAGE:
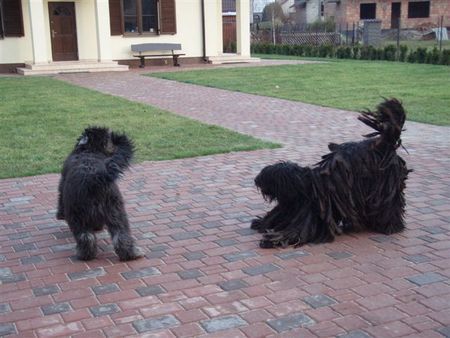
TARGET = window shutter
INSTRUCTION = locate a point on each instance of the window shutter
(12, 18)
(168, 22)
(115, 17)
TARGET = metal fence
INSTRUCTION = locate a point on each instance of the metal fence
(365, 32)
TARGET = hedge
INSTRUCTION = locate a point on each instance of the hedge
(387, 53)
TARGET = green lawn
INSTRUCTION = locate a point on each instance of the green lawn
(40, 119)
(347, 84)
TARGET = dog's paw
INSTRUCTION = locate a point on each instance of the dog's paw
(133, 254)
(266, 244)
(256, 223)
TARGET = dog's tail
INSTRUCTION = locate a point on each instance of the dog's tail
(387, 120)
(122, 156)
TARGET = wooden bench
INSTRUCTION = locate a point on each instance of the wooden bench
(141, 51)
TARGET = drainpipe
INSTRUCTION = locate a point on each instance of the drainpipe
(204, 58)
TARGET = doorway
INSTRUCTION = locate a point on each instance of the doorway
(63, 31)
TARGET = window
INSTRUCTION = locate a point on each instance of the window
(11, 23)
(367, 11)
(142, 17)
(419, 9)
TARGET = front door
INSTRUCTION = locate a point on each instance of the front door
(63, 31)
(395, 14)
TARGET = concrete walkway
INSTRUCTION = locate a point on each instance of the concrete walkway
(203, 273)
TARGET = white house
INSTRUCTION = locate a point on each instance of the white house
(93, 35)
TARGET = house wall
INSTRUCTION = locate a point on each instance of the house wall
(348, 12)
(17, 50)
(312, 11)
(189, 33)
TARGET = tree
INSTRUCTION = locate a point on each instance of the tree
(275, 9)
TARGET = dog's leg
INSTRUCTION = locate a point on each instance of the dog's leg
(60, 208)
(123, 243)
(86, 244)
(268, 221)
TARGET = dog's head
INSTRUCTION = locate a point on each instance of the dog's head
(283, 181)
(96, 139)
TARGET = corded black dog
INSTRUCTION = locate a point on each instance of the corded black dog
(89, 197)
(357, 186)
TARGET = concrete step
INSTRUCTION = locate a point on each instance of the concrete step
(71, 67)
(231, 58)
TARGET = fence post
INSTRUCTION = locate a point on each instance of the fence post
(398, 39)
(353, 34)
(346, 33)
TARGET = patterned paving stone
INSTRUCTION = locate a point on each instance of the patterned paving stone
(193, 256)
(31, 260)
(418, 258)
(194, 214)
(317, 301)
(150, 290)
(226, 242)
(261, 269)
(104, 289)
(4, 308)
(289, 322)
(153, 324)
(445, 331)
(339, 254)
(239, 256)
(105, 309)
(355, 334)
(55, 308)
(234, 284)
(190, 274)
(45, 290)
(427, 278)
(7, 329)
(92, 273)
(149, 271)
(222, 323)
(291, 255)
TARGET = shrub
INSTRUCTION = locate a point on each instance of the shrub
(403, 53)
(389, 53)
(445, 57)
(344, 52)
(421, 55)
(433, 56)
(325, 51)
(356, 52)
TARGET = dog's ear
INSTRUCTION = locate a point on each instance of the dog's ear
(83, 140)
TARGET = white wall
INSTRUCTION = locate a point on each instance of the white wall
(18, 50)
(189, 33)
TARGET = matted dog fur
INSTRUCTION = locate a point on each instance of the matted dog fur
(89, 197)
(357, 186)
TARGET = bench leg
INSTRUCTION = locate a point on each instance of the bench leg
(175, 61)
(142, 65)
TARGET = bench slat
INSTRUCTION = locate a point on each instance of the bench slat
(145, 47)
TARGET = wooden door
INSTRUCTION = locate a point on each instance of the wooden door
(63, 31)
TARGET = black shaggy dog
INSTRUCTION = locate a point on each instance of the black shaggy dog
(357, 186)
(89, 198)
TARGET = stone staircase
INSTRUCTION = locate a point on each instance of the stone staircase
(71, 67)
(231, 58)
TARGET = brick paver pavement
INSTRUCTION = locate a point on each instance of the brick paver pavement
(203, 274)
